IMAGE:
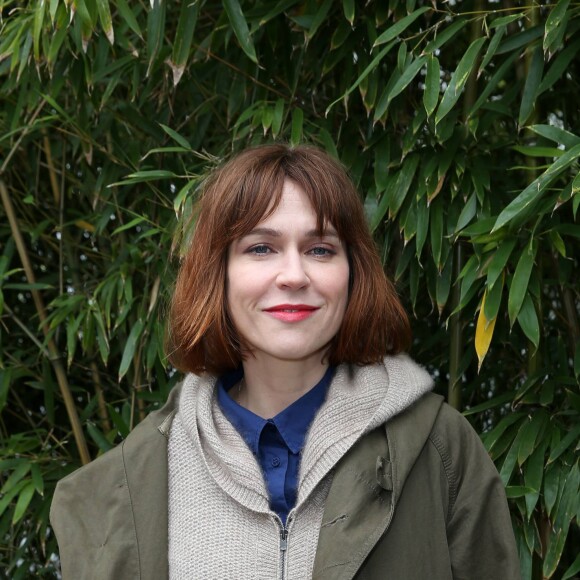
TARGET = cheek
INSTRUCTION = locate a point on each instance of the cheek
(339, 284)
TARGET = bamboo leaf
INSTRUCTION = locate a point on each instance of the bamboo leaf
(106, 20)
(555, 20)
(383, 206)
(573, 569)
(436, 230)
(496, 402)
(576, 187)
(382, 159)
(515, 491)
(551, 485)
(182, 195)
(400, 26)
(556, 134)
(144, 176)
(528, 320)
(182, 141)
(183, 38)
(533, 475)
(531, 86)
(52, 9)
(408, 75)
(520, 282)
(267, 117)
(467, 213)
(560, 65)
(535, 190)
(280, 7)
(443, 286)
(491, 49)
(499, 261)
(526, 37)
(445, 35)
(432, 84)
(16, 476)
(23, 502)
(558, 242)
(240, 28)
(37, 478)
(530, 433)
(504, 20)
(318, 18)
(134, 222)
(493, 83)
(129, 17)
(348, 7)
(277, 117)
(569, 440)
(297, 122)
(554, 553)
(422, 224)
(130, 348)
(535, 151)
(510, 460)
(404, 180)
(98, 437)
(155, 31)
(37, 27)
(483, 333)
(372, 65)
(493, 299)
(458, 80)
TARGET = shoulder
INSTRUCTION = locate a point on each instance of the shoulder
(467, 465)
(96, 484)
(456, 439)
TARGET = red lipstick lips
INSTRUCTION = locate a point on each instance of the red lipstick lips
(291, 312)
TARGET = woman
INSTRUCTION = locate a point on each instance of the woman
(301, 443)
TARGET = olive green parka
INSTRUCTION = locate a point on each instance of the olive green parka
(417, 498)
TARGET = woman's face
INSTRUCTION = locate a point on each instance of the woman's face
(288, 287)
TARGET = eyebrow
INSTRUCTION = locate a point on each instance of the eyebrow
(277, 233)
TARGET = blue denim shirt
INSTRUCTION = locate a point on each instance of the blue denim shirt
(276, 442)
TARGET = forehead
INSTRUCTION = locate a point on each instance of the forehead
(293, 210)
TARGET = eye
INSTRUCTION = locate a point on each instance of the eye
(321, 251)
(259, 250)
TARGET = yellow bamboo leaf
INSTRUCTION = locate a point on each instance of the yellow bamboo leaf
(84, 225)
(483, 332)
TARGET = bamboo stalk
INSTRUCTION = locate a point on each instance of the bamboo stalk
(456, 334)
(54, 356)
(455, 322)
(534, 357)
(51, 170)
(102, 405)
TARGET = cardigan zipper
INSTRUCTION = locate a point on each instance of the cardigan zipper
(283, 546)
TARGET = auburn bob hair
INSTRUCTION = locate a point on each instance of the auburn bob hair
(235, 198)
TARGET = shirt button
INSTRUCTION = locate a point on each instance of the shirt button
(276, 462)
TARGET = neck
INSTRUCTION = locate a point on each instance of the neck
(271, 386)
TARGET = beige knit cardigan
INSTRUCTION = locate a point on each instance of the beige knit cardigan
(220, 522)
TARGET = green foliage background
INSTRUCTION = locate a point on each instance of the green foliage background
(459, 121)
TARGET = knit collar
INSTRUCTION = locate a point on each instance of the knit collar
(359, 400)
(292, 423)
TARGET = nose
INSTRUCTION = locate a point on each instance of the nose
(292, 273)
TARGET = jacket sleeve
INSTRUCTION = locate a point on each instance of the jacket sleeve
(479, 530)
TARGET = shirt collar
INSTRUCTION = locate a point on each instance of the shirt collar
(292, 423)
